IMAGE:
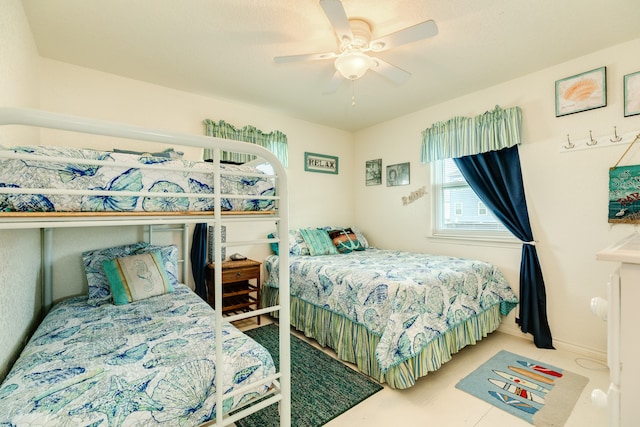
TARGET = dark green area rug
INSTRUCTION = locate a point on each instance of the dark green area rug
(321, 387)
(539, 393)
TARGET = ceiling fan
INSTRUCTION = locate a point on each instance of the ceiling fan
(354, 36)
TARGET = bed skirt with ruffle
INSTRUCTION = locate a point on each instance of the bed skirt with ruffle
(354, 343)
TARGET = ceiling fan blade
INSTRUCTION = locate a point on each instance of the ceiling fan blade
(304, 57)
(421, 31)
(393, 73)
(338, 18)
(335, 82)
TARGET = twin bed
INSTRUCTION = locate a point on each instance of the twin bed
(395, 315)
(148, 363)
(140, 348)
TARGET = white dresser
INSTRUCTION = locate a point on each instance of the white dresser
(622, 313)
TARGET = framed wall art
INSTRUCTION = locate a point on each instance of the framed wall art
(624, 194)
(398, 174)
(582, 92)
(314, 162)
(373, 172)
(632, 94)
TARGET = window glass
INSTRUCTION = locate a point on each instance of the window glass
(458, 212)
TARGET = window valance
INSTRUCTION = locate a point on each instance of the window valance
(465, 136)
(275, 141)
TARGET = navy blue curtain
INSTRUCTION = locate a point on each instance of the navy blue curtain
(496, 178)
(199, 258)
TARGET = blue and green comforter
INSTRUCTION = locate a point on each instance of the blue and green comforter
(406, 299)
(133, 173)
(147, 363)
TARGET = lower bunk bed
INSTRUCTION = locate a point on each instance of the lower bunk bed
(151, 362)
(396, 315)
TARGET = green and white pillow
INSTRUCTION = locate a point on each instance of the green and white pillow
(136, 277)
(318, 241)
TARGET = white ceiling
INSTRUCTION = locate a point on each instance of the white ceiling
(225, 48)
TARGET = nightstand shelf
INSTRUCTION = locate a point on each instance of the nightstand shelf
(238, 293)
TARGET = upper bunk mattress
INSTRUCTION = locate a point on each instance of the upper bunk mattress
(115, 171)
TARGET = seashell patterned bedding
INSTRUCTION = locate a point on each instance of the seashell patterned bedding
(148, 363)
(397, 315)
(83, 180)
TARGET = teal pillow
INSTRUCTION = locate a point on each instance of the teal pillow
(137, 277)
(274, 245)
(318, 241)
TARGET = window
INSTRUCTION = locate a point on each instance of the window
(457, 210)
(264, 167)
(482, 209)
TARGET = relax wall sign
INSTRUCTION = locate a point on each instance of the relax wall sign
(314, 162)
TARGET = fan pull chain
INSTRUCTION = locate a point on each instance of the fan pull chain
(353, 93)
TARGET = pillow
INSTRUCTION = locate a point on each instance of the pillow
(136, 277)
(318, 241)
(274, 245)
(169, 256)
(99, 290)
(297, 244)
(363, 240)
(345, 240)
(169, 153)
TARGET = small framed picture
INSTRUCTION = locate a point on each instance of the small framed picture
(582, 92)
(314, 162)
(373, 172)
(632, 94)
(398, 174)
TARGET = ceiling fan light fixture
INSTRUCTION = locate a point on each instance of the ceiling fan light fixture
(377, 46)
(353, 65)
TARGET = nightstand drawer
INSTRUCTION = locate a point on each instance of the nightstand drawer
(240, 274)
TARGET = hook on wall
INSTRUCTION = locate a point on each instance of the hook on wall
(616, 137)
(612, 139)
(569, 145)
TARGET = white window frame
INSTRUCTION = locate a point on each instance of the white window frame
(439, 206)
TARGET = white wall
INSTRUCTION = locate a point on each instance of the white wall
(567, 193)
(19, 275)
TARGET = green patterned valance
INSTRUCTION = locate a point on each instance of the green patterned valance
(466, 136)
(275, 141)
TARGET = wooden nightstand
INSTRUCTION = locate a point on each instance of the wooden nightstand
(238, 293)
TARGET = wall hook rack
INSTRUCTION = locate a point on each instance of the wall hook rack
(613, 139)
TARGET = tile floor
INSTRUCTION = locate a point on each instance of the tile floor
(434, 400)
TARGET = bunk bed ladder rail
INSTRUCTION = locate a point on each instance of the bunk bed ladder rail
(282, 379)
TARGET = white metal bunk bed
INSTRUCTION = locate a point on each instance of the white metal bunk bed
(280, 383)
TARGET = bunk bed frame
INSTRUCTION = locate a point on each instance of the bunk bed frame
(47, 222)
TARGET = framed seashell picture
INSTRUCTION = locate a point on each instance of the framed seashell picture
(581, 92)
(632, 94)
